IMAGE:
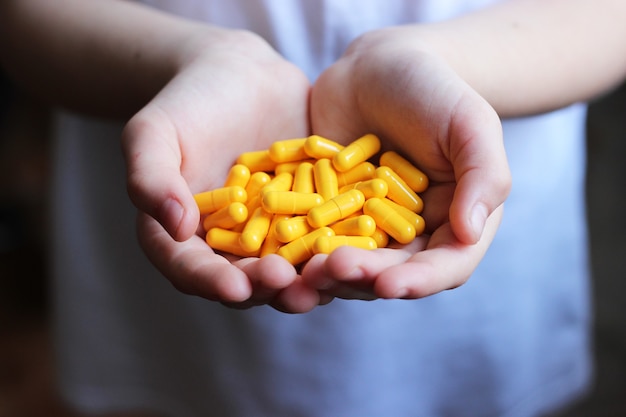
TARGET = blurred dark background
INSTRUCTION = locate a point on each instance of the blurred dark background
(27, 381)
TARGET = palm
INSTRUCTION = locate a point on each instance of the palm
(419, 107)
(185, 140)
(232, 109)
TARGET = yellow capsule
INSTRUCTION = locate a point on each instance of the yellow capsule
(381, 237)
(362, 172)
(389, 220)
(415, 219)
(319, 147)
(362, 225)
(238, 174)
(399, 191)
(281, 182)
(226, 217)
(325, 179)
(292, 228)
(290, 202)
(227, 241)
(257, 161)
(255, 231)
(290, 167)
(252, 204)
(288, 150)
(370, 188)
(358, 151)
(301, 249)
(336, 208)
(327, 244)
(210, 201)
(414, 177)
(271, 244)
(303, 178)
(257, 181)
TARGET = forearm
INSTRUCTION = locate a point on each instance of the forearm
(531, 56)
(104, 57)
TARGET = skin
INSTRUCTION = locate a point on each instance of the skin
(453, 135)
(433, 92)
(455, 77)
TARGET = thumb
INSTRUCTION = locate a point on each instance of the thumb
(154, 180)
(481, 168)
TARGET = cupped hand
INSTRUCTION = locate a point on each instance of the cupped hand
(390, 83)
(232, 94)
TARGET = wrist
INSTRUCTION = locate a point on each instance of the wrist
(202, 42)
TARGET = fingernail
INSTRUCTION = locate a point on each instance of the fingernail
(354, 274)
(401, 292)
(478, 219)
(325, 283)
(171, 215)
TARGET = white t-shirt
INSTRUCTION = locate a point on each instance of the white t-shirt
(513, 341)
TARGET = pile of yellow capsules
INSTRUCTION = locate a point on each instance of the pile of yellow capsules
(311, 195)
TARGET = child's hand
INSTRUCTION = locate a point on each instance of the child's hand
(232, 95)
(387, 84)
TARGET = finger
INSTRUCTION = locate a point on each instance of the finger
(268, 276)
(314, 273)
(445, 264)
(480, 165)
(275, 282)
(349, 264)
(154, 180)
(191, 266)
(350, 272)
(298, 298)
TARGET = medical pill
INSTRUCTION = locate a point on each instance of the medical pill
(227, 241)
(319, 147)
(362, 172)
(271, 244)
(288, 150)
(325, 179)
(356, 152)
(327, 244)
(399, 191)
(290, 202)
(381, 237)
(336, 208)
(255, 230)
(376, 187)
(281, 182)
(414, 177)
(415, 219)
(290, 167)
(361, 225)
(210, 201)
(238, 174)
(311, 195)
(226, 217)
(301, 249)
(257, 181)
(389, 220)
(257, 161)
(303, 181)
(292, 228)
